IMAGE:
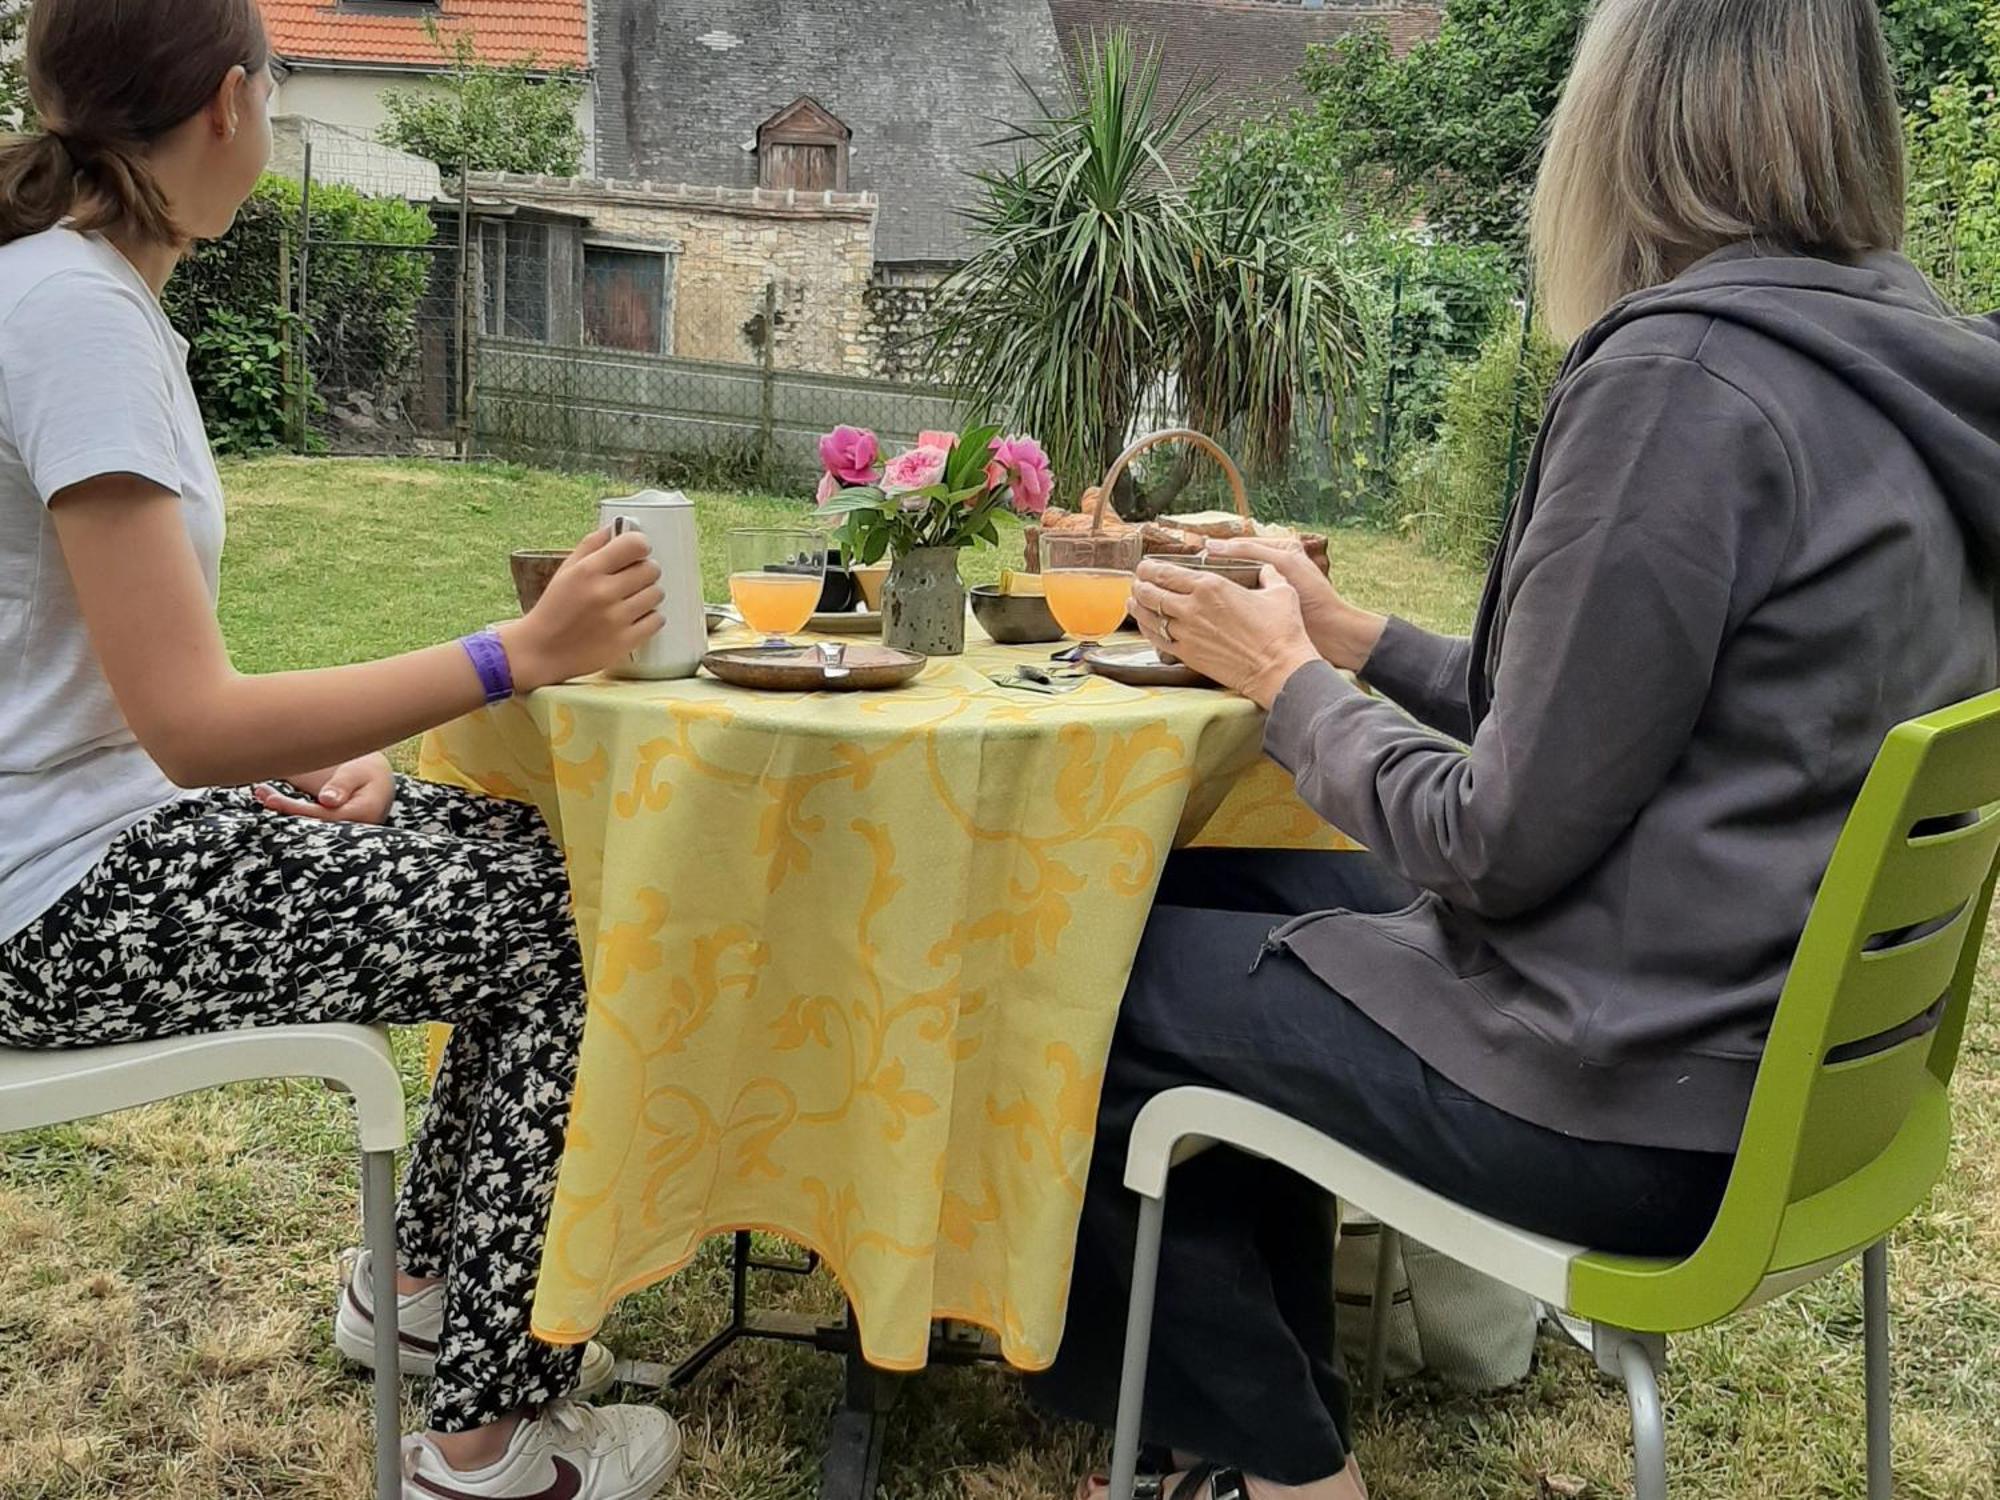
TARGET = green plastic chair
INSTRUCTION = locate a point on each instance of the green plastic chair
(1848, 1129)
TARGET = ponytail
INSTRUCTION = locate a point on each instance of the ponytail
(37, 185)
(47, 178)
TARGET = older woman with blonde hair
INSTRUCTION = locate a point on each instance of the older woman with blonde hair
(1761, 526)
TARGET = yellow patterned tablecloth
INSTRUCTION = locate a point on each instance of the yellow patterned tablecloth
(854, 963)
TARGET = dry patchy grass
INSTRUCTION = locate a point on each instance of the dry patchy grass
(166, 1275)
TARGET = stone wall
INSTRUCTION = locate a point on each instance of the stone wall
(818, 249)
(899, 304)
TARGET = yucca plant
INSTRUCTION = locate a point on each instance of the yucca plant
(1272, 322)
(1063, 317)
(1102, 289)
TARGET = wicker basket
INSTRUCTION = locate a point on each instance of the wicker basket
(1161, 538)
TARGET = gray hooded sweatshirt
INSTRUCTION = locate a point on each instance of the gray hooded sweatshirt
(1760, 527)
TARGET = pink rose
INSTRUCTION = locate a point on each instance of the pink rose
(945, 440)
(851, 455)
(918, 469)
(829, 486)
(1026, 468)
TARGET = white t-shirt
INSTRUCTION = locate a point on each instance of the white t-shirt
(93, 381)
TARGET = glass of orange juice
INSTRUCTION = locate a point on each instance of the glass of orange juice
(776, 575)
(1087, 577)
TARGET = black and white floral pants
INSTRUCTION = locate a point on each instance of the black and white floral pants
(216, 914)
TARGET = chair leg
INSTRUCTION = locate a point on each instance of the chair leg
(1138, 1346)
(378, 1213)
(1649, 1423)
(1875, 1318)
(1388, 1250)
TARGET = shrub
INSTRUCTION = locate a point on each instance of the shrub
(359, 327)
(1954, 197)
(1455, 493)
(242, 359)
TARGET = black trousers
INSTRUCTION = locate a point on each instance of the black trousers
(1244, 1370)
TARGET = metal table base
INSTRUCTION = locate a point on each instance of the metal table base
(851, 1465)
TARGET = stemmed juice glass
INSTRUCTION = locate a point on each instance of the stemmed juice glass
(1087, 577)
(776, 575)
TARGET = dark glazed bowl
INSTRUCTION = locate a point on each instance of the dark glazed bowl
(1014, 619)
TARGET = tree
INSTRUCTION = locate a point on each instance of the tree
(1099, 281)
(1934, 42)
(1453, 127)
(14, 102)
(485, 118)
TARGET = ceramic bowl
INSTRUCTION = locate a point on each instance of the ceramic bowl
(870, 580)
(532, 572)
(1014, 619)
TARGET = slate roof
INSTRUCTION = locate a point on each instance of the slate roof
(554, 33)
(1247, 51)
(923, 84)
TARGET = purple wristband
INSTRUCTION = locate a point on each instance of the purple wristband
(489, 660)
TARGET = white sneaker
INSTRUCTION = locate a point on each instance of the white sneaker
(569, 1452)
(419, 1327)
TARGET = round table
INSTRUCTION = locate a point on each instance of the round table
(854, 962)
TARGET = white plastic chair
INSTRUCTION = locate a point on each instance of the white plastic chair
(54, 1088)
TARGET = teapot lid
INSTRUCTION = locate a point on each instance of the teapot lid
(664, 498)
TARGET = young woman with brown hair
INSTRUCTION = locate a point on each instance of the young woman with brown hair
(1760, 527)
(131, 908)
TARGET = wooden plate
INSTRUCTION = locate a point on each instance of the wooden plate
(870, 669)
(851, 622)
(1140, 666)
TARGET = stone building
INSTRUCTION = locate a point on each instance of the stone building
(904, 99)
(680, 270)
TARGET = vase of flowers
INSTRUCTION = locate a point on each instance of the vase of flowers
(922, 508)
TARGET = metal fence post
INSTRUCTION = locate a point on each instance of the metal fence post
(467, 427)
(768, 410)
(294, 427)
(303, 415)
(1388, 436)
(1520, 379)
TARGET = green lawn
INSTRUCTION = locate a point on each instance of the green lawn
(164, 1274)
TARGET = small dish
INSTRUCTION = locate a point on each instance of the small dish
(1014, 619)
(869, 669)
(1140, 666)
(869, 580)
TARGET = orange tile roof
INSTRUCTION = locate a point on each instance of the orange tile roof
(554, 33)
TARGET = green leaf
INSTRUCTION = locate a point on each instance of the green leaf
(970, 458)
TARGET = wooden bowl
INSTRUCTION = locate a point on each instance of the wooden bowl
(1014, 619)
(532, 572)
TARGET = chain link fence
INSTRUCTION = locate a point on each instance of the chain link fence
(382, 332)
